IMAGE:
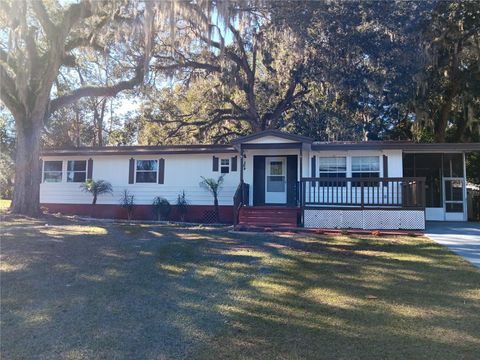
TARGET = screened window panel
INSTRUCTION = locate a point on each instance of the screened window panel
(453, 165)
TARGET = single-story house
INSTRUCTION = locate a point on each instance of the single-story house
(271, 178)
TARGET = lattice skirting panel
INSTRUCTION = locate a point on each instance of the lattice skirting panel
(364, 219)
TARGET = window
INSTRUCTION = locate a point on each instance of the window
(52, 171)
(76, 170)
(332, 167)
(146, 171)
(224, 166)
(366, 167)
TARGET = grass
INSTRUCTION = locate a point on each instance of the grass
(82, 291)
(4, 205)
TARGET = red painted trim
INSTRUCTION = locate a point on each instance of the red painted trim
(196, 213)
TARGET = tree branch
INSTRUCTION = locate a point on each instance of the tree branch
(8, 90)
(44, 19)
(107, 91)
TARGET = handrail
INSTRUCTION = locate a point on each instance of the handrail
(239, 199)
(397, 192)
(363, 179)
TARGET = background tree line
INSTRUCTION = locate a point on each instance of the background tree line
(209, 71)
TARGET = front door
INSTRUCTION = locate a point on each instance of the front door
(454, 203)
(276, 180)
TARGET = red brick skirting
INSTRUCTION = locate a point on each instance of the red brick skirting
(196, 213)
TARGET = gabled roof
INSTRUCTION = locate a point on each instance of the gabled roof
(275, 133)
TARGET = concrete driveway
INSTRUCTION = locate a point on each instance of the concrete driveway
(463, 238)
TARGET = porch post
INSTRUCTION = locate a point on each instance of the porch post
(300, 175)
(242, 187)
(241, 164)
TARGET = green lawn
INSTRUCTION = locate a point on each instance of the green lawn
(78, 291)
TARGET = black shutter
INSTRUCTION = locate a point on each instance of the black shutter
(313, 172)
(90, 169)
(131, 171)
(259, 180)
(385, 166)
(234, 163)
(215, 164)
(161, 171)
(292, 190)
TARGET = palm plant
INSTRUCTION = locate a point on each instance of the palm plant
(96, 188)
(213, 187)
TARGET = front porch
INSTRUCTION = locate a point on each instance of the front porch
(341, 203)
(364, 203)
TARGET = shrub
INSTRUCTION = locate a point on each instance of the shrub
(182, 205)
(127, 202)
(161, 208)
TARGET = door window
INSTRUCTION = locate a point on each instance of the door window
(276, 177)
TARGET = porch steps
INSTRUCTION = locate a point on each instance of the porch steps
(268, 216)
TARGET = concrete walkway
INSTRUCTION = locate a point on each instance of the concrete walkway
(463, 238)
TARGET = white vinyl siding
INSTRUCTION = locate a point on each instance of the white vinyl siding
(182, 172)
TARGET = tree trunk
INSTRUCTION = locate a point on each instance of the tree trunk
(215, 205)
(26, 194)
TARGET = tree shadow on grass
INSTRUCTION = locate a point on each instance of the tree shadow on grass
(148, 292)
